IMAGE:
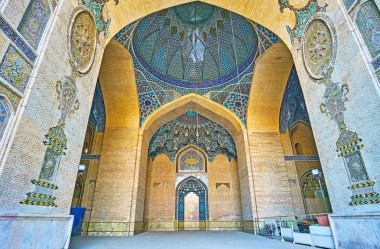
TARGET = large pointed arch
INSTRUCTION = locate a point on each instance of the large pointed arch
(118, 153)
(266, 150)
(212, 111)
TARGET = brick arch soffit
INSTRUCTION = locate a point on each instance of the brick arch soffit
(276, 51)
(103, 89)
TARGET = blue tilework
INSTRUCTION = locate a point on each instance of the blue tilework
(293, 107)
(16, 38)
(172, 58)
(192, 129)
(301, 158)
(98, 112)
(34, 21)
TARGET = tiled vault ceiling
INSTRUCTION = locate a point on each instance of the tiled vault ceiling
(195, 48)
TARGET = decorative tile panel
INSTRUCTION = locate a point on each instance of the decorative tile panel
(293, 106)
(56, 145)
(349, 144)
(191, 160)
(301, 158)
(13, 98)
(368, 22)
(15, 69)
(96, 7)
(5, 115)
(66, 96)
(319, 49)
(302, 16)
(376, 64)
(17, 40)
(33, 23)
(90, 157)
(82, 41)
(98, 112)
(349, 3)
(354, 163)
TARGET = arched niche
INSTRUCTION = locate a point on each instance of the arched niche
(78, 192)
(210, 110)
(314, 200)
(301, 134)
(191, 160)
(88, 139)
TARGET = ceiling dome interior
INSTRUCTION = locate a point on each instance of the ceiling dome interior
(195, 48)
(195, 44)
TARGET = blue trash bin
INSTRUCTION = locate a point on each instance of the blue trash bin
(78, 220)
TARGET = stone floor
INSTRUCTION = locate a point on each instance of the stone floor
(183, 240)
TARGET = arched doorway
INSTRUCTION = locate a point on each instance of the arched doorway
(314, 193)
(191, 204)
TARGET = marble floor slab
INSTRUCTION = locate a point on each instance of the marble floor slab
(183, 240)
